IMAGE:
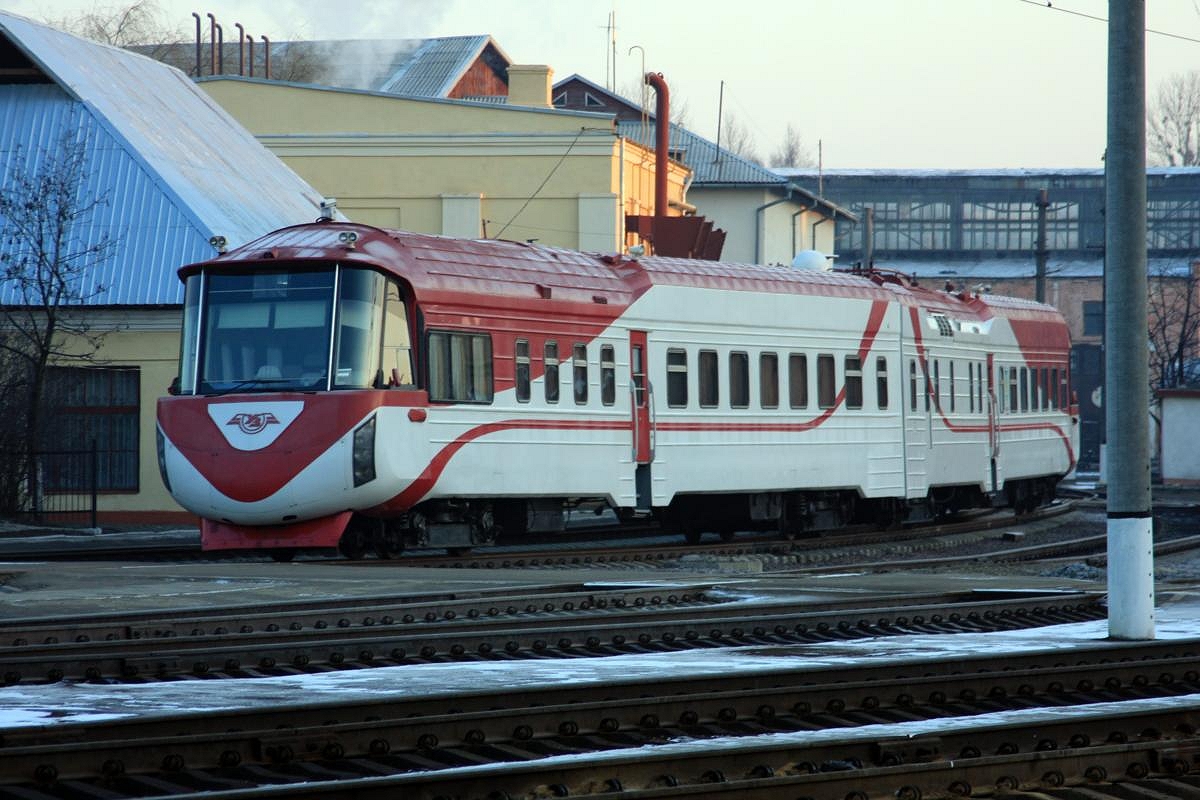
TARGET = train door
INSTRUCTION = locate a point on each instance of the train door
(993, 424)
(916, 424)
(641, 400)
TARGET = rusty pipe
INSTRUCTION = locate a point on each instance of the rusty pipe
(662, 132)
(212, 38)
(250, 53)
(241, 48)
(220, 50)
(266, 58)
(197, 16)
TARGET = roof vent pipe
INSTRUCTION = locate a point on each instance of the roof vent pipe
(266, 58)
(220, 50)
(662, 130)
(212, 39)
(241, 48)
(197, 16)
(250, 52)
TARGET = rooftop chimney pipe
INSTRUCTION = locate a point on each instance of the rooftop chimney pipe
(212, 39)
(662, 131)
(197, 16)
(266, 58)
(241, 48)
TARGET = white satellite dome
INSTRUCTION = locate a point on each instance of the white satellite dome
(810, 259)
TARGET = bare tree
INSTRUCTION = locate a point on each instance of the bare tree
(791, 151)
(1173, 121)
(49, 251)
(142, 25)
(737, 139)
(1174, 318)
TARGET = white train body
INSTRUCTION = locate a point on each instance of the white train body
(457, 389)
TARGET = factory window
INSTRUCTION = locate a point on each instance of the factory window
(881, 383)
(1093, 318)
(521, 370)
(826, 381)
(608, 376)
(460, 367)
(798, 380)
(710, 393)
(551, 366)
(854, 389)
(91, 408)
(768, 380)
(579, 374)
(739, 380)
(677, 380)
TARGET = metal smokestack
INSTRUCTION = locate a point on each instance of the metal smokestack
(662, 132)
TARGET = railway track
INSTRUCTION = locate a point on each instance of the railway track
(1105, 715)
(572, 623)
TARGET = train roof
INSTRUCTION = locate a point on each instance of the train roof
(437, 268)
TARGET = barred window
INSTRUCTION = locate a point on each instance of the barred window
(92, 406)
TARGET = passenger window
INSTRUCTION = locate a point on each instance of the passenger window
(551, 356)
(951, 387)
(912, 385)
(1013, 403)
(971, 386)
(881, 383)
(1024, 388)
(854, 390)
(608, 376)
(521, 376)
(1052, 389)
(710, 394)
(768, 380)
(936, 388)
(677, 388)
(739, 380)
(798, 380)
(979, 387)
(826, 381)
(460, 367)
(1044, 388)
(580, 374)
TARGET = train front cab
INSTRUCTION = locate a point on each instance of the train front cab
(279, 367)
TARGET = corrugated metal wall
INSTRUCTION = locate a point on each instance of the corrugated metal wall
(152, 234)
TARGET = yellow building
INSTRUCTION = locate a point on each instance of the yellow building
(519, 170)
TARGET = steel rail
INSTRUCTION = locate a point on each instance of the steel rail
(614, 632)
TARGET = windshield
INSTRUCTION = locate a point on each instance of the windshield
(266, 331)
(279, 330)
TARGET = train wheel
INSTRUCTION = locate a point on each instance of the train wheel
(389, 545)
(727, 534)
(353, 544)
(458, 552)
(282, 555)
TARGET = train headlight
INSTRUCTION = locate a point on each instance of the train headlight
(160, 444)
(364, 452)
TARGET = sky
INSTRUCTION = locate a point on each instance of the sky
(892, 84)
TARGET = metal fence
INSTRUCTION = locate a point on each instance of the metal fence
(60, 490)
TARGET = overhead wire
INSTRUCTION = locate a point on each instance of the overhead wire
(1049, 5)
(542, 185)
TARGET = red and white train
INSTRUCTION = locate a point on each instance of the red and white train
(346, 386)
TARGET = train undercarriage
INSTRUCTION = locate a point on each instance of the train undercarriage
(460, 525)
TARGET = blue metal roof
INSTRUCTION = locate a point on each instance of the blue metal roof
(410, 67)
(175, 167)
